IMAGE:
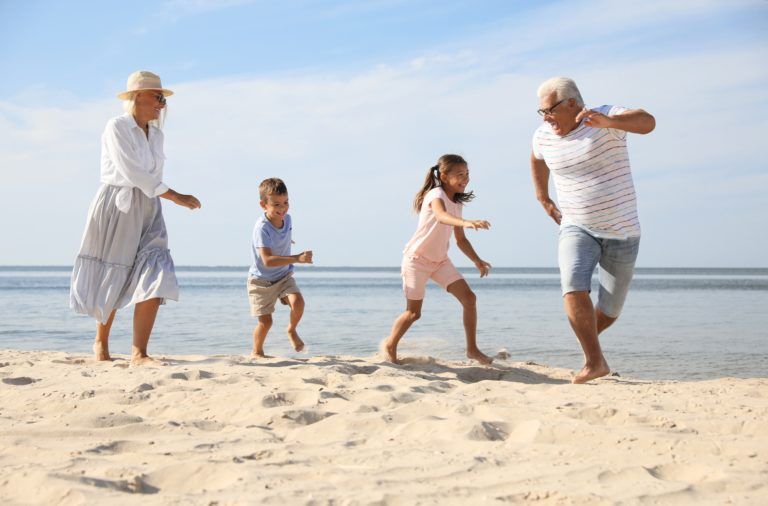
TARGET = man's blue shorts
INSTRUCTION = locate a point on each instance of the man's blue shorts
(579, 252)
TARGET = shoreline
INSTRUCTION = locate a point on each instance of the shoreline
(359, 430)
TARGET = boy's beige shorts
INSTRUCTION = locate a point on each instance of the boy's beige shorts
(263, 294)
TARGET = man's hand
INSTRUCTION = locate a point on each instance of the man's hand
(305, 257)
(552, 210)
(483, 266)
(477, 224)
(593, 118)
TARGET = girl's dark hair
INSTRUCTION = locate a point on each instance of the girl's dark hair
(445, 164)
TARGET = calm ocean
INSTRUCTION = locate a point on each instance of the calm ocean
(677, 323)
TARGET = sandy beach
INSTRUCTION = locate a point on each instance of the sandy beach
(344, 430)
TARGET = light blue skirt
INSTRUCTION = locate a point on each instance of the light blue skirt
(124, 257)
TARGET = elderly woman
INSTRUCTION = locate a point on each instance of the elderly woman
(124, 257)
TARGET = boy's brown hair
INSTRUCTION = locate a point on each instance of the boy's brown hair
(272, 186)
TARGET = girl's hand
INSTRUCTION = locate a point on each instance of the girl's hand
(484, 267)
(477, 224)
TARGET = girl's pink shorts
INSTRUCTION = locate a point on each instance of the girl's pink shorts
(416, 271)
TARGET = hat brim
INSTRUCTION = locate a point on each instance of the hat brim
(127, 94)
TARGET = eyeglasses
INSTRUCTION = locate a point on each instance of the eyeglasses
(160, 98)
(544, 112)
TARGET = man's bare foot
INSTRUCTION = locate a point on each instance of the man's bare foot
(389, 351)
(296, 341)
(589, 373)
(101, 351)
(259, 354)
(144, 361)
(479, 356)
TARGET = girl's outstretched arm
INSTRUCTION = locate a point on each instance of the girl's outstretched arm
(446, 218)
(466, 247)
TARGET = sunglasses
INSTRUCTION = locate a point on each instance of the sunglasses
(160, 98)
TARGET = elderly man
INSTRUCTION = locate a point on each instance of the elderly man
(586, 152)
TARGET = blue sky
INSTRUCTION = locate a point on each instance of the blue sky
(351, 102)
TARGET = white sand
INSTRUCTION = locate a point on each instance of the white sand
(342, 430)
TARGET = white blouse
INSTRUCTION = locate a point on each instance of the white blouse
(131, 159)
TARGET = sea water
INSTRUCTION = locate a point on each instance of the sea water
(678, 324)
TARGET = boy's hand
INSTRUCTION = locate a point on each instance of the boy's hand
(484, 267)
(477, 224)
(305, 257)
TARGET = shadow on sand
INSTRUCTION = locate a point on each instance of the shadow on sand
(426, 368)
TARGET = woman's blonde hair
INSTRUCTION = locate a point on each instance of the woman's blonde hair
(129, 106)
(445, 164)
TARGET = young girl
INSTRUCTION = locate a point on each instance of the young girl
(439, 204)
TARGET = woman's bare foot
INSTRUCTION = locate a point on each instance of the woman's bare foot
(296, 341)
(389, 351)
(101, 351)
(589, 373)
(145, 360)
(478, 355)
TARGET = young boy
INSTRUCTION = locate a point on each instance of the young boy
(271, 274)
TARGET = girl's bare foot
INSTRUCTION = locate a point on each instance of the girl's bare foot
(589, 372)
(389, 351)
(479, 356)
(296, 341)
(101, 351)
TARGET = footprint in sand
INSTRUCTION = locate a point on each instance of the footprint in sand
(110, 420)
(196, 374)
(20, 381)
(686, 473)
(117, 447)
(275, 400)
(403, 398)
(488, 431)
(135, 485)
(144, 387)
(69, 361)
(351, 370)
(305, 416)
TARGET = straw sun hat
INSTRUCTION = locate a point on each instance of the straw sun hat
(142, 80)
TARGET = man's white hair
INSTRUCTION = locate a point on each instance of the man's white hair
(563, 87)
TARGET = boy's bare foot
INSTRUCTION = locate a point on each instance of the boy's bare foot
(101, 351)
(389, 351)
(296, 341)
(144, 360)
(479, 356)
(589, 373)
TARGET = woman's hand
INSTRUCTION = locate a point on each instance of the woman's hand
(483, 266)
(477, 224)
(188, 201)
